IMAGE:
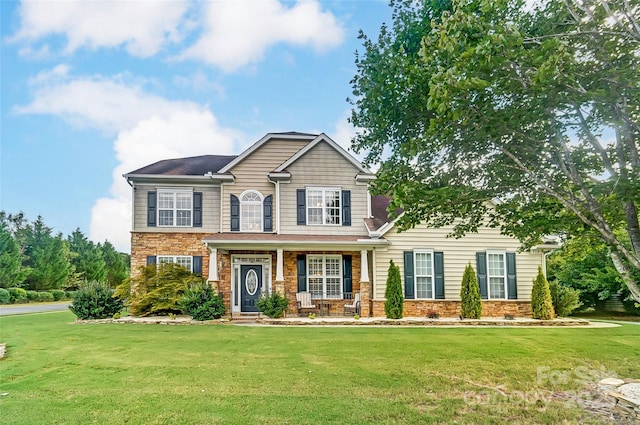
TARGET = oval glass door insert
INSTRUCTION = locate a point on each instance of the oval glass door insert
(251, 282)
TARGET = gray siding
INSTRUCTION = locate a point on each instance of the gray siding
(457, 254)
(252, 172)
(210, 208)
(323, 166)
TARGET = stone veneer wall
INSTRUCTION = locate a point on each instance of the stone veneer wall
(145, 244)
(419, 308)
(290, 271)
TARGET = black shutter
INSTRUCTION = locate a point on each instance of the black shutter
(408, 276)
(267, 212)
(481, 267)
(301, 206)
(302, 273)
(347, 279)
(197, 209)
(512, 286)
(151, 259)
(346, 208)
(151, 209)
(235, 214)
(197, 264)
(438, 265)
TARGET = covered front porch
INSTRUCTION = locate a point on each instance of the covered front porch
(331, 270)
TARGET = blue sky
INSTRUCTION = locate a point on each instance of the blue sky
(92, 90)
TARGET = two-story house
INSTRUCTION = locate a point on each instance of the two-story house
(293, 213)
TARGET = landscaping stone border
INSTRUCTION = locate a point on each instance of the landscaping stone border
(623, 395)
(349, 321)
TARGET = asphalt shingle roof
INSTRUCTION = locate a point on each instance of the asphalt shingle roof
(191, 166)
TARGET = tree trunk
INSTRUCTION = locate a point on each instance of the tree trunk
(625, 273)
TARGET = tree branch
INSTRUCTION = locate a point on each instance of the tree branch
(595, 143)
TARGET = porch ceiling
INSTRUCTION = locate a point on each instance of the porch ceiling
(270, 241)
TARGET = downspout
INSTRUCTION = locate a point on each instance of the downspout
(276, 184)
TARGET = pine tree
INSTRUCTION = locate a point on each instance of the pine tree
(395, 301)
(12, 273)
(117, 264)
(541, 303)
(87, 258)
(471, 304)
(47, 256)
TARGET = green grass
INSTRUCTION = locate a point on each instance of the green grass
(57, 372)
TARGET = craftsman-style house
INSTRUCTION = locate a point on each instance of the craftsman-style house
(293, 213)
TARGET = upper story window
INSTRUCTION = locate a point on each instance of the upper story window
(175, 208)
(251, 211)
(323, 206)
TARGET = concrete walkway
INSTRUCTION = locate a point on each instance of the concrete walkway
(11, 309)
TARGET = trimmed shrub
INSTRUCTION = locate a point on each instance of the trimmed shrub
(94, 300)
(5, 298)
(32, 296)
(201, 303)
(565, 299)
(45, 296)
(69, 294)
(58, 294)
(394, 305)
(18, 295)
(273, 305)
(471, 303)
(541, 303)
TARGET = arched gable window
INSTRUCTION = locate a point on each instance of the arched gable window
(251, 211)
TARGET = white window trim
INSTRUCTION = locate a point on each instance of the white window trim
(324, 207)
(324, 275)
(504, 275)
(174, 259)
(243, 204)
(173, 191)
(415, 274)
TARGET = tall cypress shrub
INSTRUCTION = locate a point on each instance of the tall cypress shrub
(471, 303)
(541, 303)
(395, 300)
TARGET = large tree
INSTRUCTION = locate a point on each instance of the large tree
(86, 257)
(47, 256)
(117, 264)
(466, 102)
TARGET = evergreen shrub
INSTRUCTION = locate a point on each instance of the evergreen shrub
(58, 294)
(45, 296)
(18, 295)
(565, 299)
(541, 303)
(201, 303)
(273, 305)
(5, 298)
(394, 305)
(32, 296)
(94, 300)
(471, 303)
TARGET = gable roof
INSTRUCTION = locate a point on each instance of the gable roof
(191, 166)
(290, 135)
(318, 139)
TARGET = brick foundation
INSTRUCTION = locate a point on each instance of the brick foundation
(414, 308)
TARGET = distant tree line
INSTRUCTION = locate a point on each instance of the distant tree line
(33, 257)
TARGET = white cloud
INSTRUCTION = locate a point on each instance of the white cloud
(343, 131)
(143, 27)
(109, 104)
(148, 127)
(238, 33)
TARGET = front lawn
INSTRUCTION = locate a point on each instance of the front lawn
(57, 372)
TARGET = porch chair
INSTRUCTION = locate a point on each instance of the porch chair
(354, 307)
(304, 303)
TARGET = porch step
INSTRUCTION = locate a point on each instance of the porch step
(245, 317)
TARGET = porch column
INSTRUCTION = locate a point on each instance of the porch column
(213, 268)
(279, 283)
(365, 284)
(364, 266)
